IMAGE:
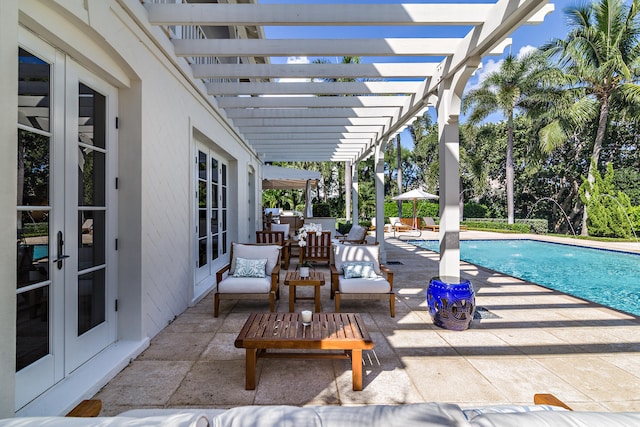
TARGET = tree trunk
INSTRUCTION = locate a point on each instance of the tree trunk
(595, 158)
(509, 169)
(399, 179)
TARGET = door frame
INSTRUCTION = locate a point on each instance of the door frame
(64, 357)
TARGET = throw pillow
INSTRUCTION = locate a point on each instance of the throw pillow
(359, 269)
(250, 267)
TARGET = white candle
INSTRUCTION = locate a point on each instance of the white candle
(306, 316)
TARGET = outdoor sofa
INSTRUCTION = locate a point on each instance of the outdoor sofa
(406, 415)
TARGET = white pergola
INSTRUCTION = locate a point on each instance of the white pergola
(344, 112)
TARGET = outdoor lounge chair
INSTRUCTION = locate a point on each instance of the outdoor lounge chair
(398, 225)
(356, 273)
(356, 235)
(276, 238)
(430, 224)
(245, 279)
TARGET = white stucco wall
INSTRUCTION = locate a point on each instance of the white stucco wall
(158, 112)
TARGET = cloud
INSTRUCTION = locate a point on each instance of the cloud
(492, 66)
(524, 50)
(298, 60)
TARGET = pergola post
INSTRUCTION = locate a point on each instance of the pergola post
(379, 165)
(449, 157)
(354, 193)
(448, 108)
(348, 173)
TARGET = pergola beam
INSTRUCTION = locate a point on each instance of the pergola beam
(320, 71)
(312, 101)
(250, 130)
(316, 47)
(310, 113)
(312, 88)
(317, 14)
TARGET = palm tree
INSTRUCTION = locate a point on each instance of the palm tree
(600, 57)
(506, 91)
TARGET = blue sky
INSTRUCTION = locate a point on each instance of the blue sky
(525, 37)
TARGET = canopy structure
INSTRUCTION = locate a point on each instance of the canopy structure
(348, 90)
(278, 178)
(333, 110)
(415, 195)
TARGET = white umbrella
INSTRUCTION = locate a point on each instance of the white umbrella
(415, 195)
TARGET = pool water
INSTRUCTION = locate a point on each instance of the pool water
(609, 278)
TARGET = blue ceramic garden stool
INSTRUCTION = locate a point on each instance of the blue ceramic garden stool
(452, 302)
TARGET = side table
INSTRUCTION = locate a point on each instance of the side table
(293, 279)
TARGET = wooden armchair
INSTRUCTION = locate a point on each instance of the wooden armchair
(276, 238)
(317, 249)
(356, 273)
(241, 278)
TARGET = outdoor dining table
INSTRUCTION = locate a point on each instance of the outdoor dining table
(325, 332)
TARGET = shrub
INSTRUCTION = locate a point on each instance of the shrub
(475, 210)
(498, 225)
(322, 210)
(606, 208)
(634, 217)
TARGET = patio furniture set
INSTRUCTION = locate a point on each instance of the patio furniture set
(254, 273)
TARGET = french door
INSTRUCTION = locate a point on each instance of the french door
(66, 219)
(211, 212)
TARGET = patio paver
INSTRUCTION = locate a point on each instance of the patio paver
(529, 340)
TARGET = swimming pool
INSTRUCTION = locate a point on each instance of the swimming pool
(607, 277)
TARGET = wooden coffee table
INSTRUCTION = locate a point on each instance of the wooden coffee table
(293, 279)
(327, 331)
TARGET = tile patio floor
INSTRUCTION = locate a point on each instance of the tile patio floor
(537, 341)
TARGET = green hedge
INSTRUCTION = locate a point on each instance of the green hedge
(537, 226)
(423, 208)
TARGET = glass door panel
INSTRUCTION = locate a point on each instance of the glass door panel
(211, 212)
(90, 320)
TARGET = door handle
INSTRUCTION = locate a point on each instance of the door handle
(61, 256)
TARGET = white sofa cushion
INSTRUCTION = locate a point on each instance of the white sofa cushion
(348, 253)
(363, 285)
(183, 419)
(245, 285)
(270, 252)
(558, 419)
(410, 415)
(357, 232)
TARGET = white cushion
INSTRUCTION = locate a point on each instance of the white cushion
(346, 253)
(245, 285)
(173, 420)
(281, 227)
(362, 285)
(558, 419)
(270, 252)
(357, 232)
